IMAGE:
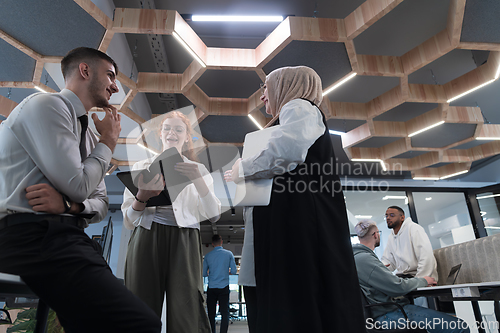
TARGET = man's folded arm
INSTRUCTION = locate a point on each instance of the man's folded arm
(47, 135)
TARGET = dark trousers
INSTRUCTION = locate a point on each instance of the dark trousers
(221, 295)
(251, 304)
(63, 266)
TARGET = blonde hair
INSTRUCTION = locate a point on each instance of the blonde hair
(187, 147)
(364, 227)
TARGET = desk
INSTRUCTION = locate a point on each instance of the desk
(13, 286)
(473, 292)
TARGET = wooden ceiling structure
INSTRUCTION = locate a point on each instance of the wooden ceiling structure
(170, 22)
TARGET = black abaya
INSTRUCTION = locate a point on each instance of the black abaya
(305, 273)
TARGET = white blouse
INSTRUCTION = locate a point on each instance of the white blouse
(301, 124)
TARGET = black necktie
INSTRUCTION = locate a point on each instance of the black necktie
(84, 121)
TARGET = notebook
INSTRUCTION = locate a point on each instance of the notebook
(452, 276)
(254, 192)
(164, 164)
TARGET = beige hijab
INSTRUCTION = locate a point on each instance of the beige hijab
(289, 83)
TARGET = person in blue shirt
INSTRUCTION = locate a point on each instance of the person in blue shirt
(217, 265)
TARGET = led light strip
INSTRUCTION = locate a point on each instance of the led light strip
(255, 121)
(455, 174)
(370, 160)
(40, 89)
(396, 197)
(336, 132)
(339, 84)
(148, 149)
(176, 35)
(487, 138)
(488, 196)
(232, 18)
(469, 91)
(425, 178)
(426, 129)
(363, 216)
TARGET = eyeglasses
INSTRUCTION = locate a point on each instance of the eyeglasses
(376, 232)
(391, 215)
(178, 129)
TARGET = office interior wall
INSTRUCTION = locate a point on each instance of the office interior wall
(444, 216)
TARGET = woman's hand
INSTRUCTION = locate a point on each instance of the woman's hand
(151, 189)
(233, 174)
(192, 171)
(189, 170)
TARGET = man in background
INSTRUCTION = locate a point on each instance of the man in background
(379, 285)
(408, 250)
(217, 265)
(51, 186)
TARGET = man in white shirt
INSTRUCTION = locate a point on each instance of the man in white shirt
(51, 186)
(408, 250)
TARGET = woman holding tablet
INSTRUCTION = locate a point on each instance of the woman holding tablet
(164, 253)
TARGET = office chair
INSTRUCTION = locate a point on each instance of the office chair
(233, 314)
(106, 240)
(5, 317)
(368, 314)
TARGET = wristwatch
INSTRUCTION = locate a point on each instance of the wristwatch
(66, 203)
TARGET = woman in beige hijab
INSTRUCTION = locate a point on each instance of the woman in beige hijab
(297, 267)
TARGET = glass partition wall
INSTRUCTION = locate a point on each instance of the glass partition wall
(443, 213)
(444, 216)
(489, 203)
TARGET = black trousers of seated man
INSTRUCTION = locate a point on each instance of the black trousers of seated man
(221, 295)
(64, 267)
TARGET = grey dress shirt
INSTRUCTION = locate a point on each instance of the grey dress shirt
(39, 143)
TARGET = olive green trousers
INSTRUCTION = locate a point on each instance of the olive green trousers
(167, 261)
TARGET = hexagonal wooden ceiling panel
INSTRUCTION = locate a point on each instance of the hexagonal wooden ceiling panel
(412, 89)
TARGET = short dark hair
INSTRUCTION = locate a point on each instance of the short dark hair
(398, 208)
(76, 56)
(216, 239)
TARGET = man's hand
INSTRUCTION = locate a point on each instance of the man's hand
(44, 198)
(109, 127)
(430, 281)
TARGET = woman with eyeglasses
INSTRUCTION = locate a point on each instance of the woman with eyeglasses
(297, 266)
(164, 257)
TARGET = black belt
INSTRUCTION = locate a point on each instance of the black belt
(20, 218)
